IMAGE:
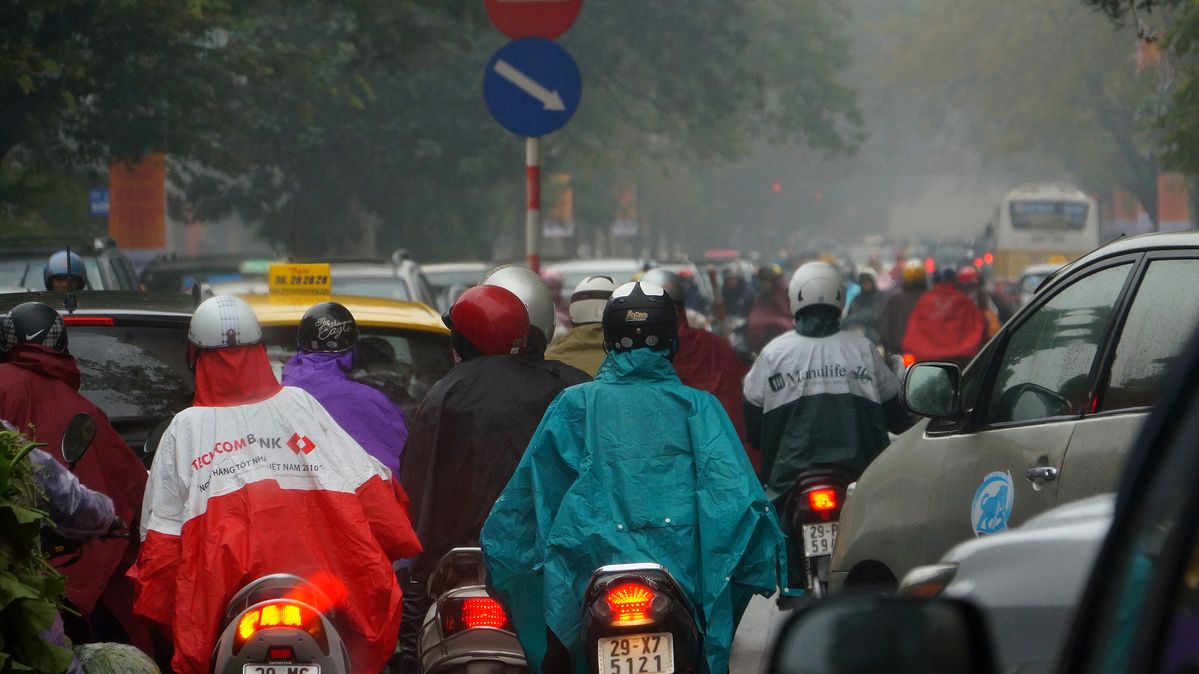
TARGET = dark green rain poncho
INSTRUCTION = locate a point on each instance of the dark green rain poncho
(632, 467)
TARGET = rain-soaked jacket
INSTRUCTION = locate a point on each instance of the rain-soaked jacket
(258, 479)
(465, 440)
(634, 467)
(582, 347)
(945, 325)
(707, 362)
(817, 400)
(365, 413)
(40, 386)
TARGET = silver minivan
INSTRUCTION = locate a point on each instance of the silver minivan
(1044, 414)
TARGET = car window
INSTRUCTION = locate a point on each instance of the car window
(26, 273)
(388, 287)
(1045, 368)
(403, 364)
(133, 371)
(1163, 311)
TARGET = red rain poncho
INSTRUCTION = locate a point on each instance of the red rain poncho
(708, 363)
(945, 325)
(40, 386)
(258, 479)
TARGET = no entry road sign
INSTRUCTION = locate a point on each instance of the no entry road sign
(533, 18)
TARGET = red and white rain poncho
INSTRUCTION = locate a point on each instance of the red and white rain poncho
(258, 479)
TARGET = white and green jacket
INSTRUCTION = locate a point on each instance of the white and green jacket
(817, 400)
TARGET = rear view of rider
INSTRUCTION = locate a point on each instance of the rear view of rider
(632, 467)
(818, 395)
(946, 324)
(256, 479)
(704, 360)
(64, 271)
(583, 346)
(539, 302)
(468, 435)
(325, 351)
(39, 388)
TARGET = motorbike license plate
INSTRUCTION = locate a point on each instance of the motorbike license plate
(280, 669)
(637, 654)
(818, 539)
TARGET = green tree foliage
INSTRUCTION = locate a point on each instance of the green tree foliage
(1047, 81)
(29, 587)
(1179, 21)
(316, 119)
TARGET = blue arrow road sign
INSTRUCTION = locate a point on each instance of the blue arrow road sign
(97, 201)
(532, 87)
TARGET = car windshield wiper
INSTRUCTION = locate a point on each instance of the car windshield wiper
(25, 275)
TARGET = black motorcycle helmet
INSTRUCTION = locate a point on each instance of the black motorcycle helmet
(641, 315)
(33, 323)
(327, 327)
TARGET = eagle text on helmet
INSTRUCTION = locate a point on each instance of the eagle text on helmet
(327, 327)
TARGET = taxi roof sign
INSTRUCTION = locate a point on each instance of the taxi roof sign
(299, 279)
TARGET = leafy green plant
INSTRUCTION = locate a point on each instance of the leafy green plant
(30, 588)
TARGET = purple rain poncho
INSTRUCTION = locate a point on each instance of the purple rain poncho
(365, 413)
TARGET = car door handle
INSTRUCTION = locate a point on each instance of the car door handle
(1040, 474)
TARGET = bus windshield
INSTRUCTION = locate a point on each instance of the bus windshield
(1049, 214)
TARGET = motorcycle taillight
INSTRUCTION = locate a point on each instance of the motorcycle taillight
(461, 614)
(282, 613)
(821, 500)
(629, 604)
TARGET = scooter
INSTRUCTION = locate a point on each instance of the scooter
(638, 620)
(812, 518)
(466, 630)
(280, 624)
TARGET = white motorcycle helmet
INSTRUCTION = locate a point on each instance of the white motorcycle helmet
(531, 289)
(223, 321)
(589, 298)
(816, 283)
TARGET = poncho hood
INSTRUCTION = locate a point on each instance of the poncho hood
(367, 414)
(236, 375)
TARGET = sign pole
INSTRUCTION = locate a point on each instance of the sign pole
(533, 189)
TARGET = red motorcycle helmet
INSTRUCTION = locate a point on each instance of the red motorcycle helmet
(967, 276)
(492, 319)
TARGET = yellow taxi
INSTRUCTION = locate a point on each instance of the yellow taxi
(403, 347)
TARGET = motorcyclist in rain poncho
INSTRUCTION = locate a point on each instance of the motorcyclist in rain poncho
(633, 467)
(326, 344)
(468, 435)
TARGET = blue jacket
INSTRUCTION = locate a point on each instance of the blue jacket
(633, 467)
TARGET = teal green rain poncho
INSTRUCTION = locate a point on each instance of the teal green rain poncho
(632, 467)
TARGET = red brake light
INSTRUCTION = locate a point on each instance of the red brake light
(629, 604)
(823, 499)
(483, 612)
(271, 615)
(909, 360)
(988, 258)
(978, 262)
(930, 265)
(281, 653)
(89, 320)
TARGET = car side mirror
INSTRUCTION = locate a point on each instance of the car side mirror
(852, 634)
(932, 390)
(77, 437)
